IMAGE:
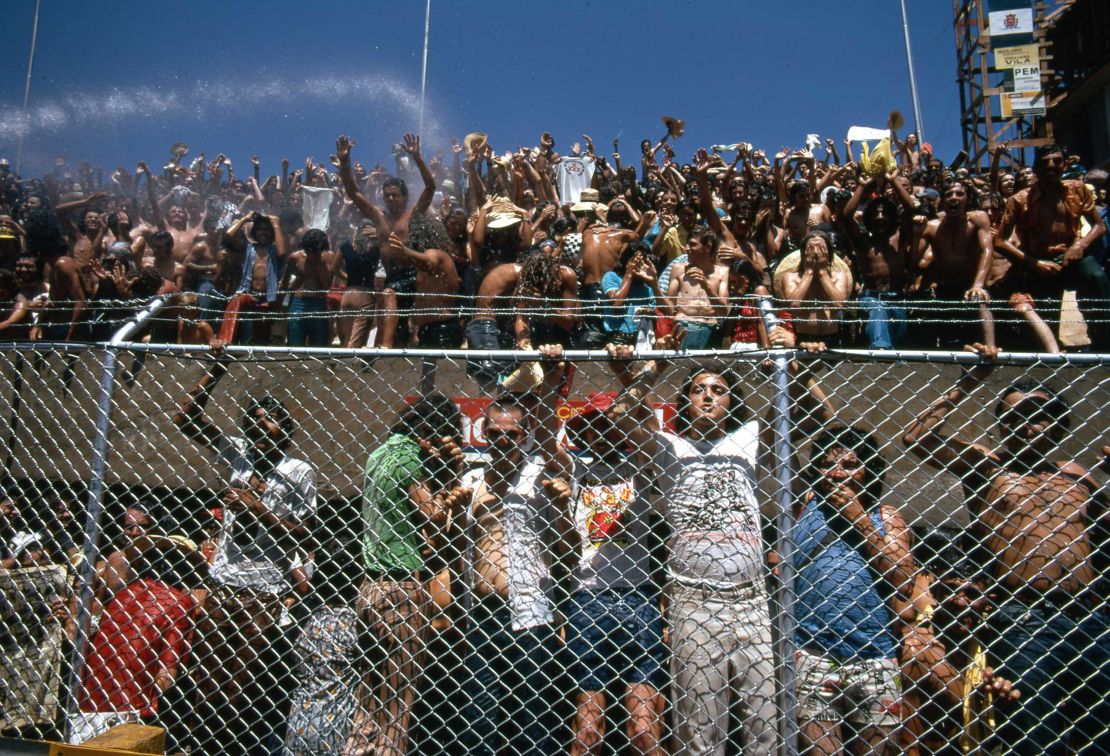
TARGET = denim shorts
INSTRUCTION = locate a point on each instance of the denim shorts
(616, 634)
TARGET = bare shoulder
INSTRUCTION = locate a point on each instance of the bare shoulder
(979, 219)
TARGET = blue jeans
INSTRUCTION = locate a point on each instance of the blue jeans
(211, 303)
(1060, 660)
(616, 634)
(308, 322)
(886, 318)
(698, 335)
(514, 685)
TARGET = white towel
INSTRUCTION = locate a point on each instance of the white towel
(316, 206)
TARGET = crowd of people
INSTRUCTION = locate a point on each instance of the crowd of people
(887, 249)
(540, 600)
(545, 599)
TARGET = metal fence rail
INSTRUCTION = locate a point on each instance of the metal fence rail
(315, 550)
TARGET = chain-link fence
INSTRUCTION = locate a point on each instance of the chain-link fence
(351, 551)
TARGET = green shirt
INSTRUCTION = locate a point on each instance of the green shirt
(392, 540)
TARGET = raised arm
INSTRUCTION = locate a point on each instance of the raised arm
(190, 417)
(705, 197)
(155, 207)
(411, 145)
(948, 453)
(343, 147)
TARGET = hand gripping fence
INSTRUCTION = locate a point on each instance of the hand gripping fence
(317, 550)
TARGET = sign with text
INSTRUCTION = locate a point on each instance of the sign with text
(1022, 104)
(1027, 79)
(1017, 56)
(1015, 21)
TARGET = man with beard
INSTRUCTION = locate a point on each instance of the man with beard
(1040, 520)
(521, 539)
(1047, 219)
(268, 510)
(955, 255)
(176, 220)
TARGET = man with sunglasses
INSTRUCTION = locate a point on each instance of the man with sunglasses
(1039, 521)
(518, 541)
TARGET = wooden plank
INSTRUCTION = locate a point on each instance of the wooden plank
(128, 738)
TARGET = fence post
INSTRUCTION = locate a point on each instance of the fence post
(97, 470)
(784, 543)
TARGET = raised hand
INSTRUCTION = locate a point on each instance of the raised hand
(255, 161)
(701, 160)
(343, 147)
(411, 144)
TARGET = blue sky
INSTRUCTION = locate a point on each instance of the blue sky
(115, 82)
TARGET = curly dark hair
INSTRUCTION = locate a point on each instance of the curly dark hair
(276, 409)
(539, 273)
(864, 444)
(44, 234)
(738, 412)
(427, 232)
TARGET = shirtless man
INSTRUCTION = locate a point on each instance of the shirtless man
(61, 316)
(162, 259)
(508, 288)
(602, 247)
(1041, 520)
(308, 274)
(816, 280)
(435, 307)
(1047, 219)
(400, 279)
(90, 244)
(697, 294)
(734, 241)
(955, 255)
(176, 220)
(257, 288)
(882, 249)
(804, 214)
(203, 267)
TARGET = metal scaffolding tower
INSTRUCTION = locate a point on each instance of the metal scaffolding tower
(980, 83)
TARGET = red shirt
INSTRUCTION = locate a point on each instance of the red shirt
(745, 322)
(145, 629)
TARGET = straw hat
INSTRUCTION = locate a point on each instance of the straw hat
(474, 142)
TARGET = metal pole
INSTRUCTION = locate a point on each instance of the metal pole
(784, 544)
(913, 80)
(27, 89)
(424, 66)
(98, 469)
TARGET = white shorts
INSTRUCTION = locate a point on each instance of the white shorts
(865, 693)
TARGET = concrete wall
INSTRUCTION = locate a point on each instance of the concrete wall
(344, 407)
